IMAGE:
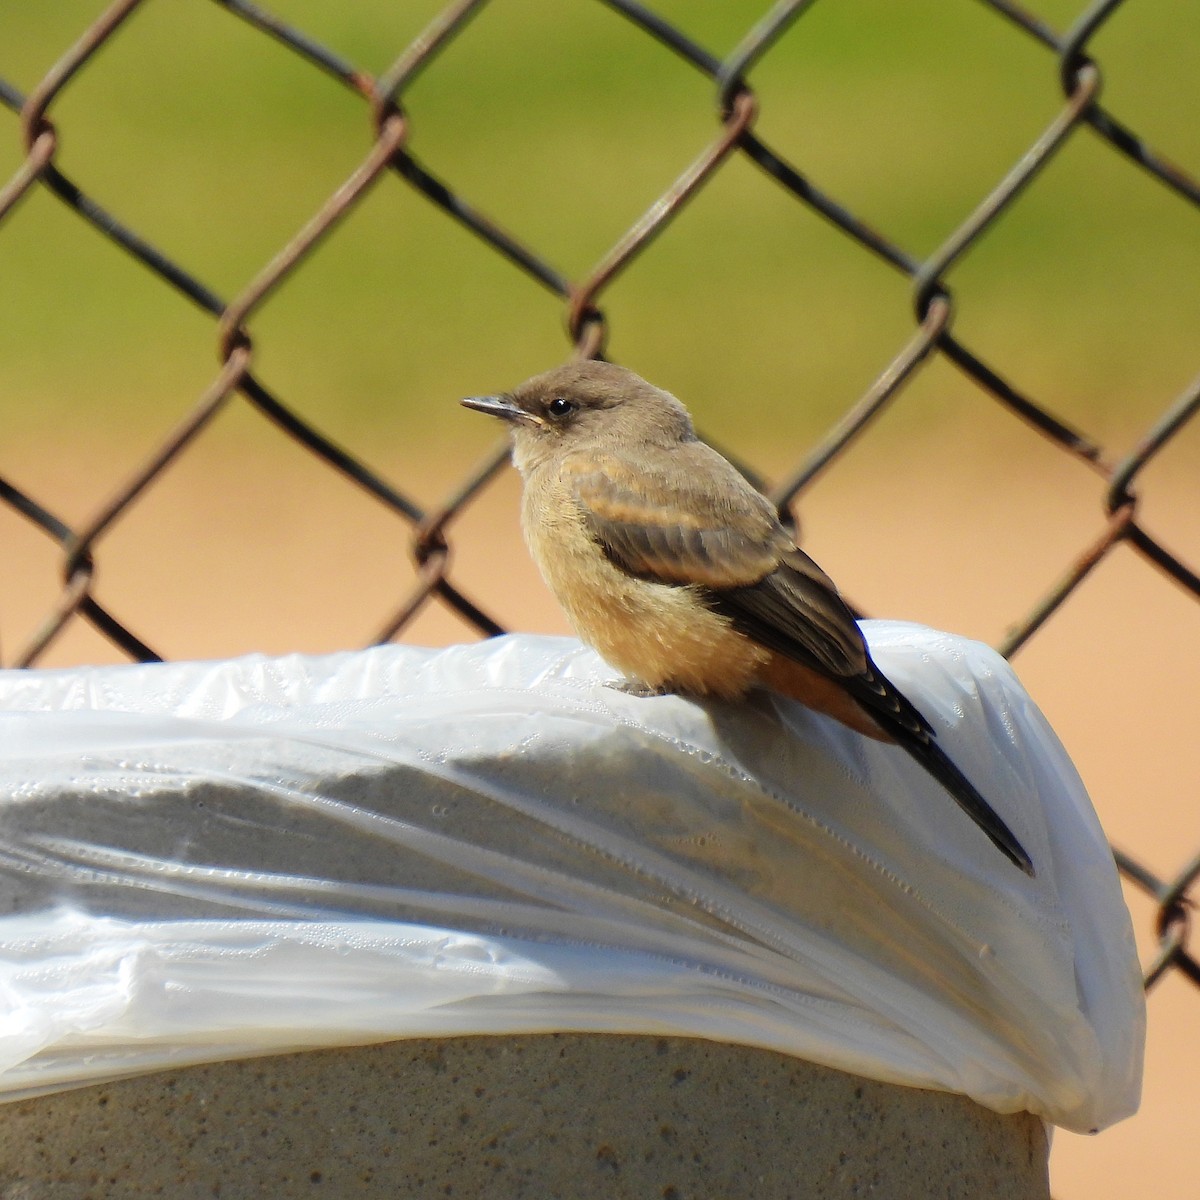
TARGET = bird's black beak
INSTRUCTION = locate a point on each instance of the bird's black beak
(499, 406)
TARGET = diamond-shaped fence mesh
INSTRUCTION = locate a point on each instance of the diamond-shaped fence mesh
(391, 147)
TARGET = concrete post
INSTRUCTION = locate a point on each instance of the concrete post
(573, 1116)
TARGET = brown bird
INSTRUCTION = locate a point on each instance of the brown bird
(676, 569)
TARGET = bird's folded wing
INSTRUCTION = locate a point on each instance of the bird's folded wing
(692, 520)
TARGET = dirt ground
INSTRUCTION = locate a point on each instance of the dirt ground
(214, 563)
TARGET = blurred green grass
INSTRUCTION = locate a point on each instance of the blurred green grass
(564, 123)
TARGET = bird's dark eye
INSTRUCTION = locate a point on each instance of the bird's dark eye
(559, 407)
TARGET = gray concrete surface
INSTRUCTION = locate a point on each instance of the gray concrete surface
(570, 1116)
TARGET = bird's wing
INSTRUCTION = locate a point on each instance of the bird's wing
(686, 517)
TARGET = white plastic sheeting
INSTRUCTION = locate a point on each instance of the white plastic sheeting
(202, 861)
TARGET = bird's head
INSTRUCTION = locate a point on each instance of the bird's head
(582, 404)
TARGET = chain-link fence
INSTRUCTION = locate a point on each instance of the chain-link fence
(1068, 58)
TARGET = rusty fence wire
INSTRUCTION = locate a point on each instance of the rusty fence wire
(736, 107)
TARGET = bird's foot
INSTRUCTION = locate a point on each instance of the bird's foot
(635, 687)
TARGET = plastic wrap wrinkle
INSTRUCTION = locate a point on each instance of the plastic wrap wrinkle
(210, 860)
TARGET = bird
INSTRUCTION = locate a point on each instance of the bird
(678, 572)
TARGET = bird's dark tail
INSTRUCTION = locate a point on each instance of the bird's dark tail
(901, 720)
